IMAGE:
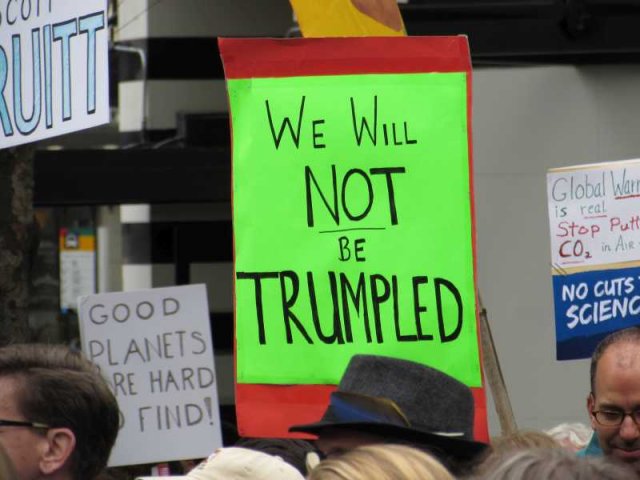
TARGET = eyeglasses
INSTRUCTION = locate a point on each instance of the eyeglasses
(614, 418)
(21, 423)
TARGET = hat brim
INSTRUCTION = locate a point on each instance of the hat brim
(454, 446)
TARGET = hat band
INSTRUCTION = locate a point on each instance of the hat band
(355, 407)
(348, 407)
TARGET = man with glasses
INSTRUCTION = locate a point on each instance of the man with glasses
(614, 400)
(58, 417)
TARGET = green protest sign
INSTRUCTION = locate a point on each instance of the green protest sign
(352, 224)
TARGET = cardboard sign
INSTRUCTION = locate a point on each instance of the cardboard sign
(595, 252)
(352, 208)
(54, 75)
(348, 18)
(156, 351)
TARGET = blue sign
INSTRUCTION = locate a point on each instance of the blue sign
(590, 305)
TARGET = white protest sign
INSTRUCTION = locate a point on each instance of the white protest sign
(54, 68)
(155, 349)
(594, 218)
(594, 214)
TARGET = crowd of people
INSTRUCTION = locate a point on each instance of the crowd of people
(389, 419)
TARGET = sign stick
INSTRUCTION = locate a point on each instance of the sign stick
(491, 367)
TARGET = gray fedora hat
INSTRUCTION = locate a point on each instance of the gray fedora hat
(405, 401)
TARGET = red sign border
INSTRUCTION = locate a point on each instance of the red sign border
(268, 410)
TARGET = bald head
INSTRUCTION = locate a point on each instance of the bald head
(626, 354)
(620, 361)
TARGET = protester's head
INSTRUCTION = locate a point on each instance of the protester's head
(381, 462)
(290, 450)
(629, 336)
(614, 401)
(388, 400)
(572, 436)
(60, 418)
(236, 463)
(522, 439)
(553, 464)
(512, 442)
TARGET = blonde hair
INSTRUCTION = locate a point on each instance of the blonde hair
(381, 462)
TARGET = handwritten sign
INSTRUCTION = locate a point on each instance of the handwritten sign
(595, 252)
(54, 76)
(155, 349)
(352, 216)
(363, 211)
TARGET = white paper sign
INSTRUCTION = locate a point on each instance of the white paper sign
(594, 214)
(77, 277)
(155, 349)
(54, 68)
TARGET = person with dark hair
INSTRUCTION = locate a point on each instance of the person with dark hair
(614, 400)
(389, 400)
(58, 417)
